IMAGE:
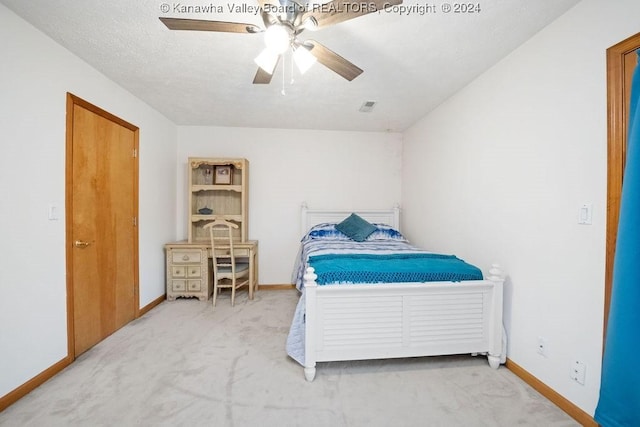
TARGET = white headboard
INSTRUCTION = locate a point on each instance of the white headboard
(311, 217)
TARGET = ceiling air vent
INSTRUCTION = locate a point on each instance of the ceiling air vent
(367, 106)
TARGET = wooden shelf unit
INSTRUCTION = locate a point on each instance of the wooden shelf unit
(227, 201)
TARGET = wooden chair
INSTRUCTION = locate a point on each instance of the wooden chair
(227, 273)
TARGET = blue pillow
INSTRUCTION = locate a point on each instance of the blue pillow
(386, 232)
(356, 228)
(325, 231)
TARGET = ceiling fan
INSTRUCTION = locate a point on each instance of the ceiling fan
(284, 20)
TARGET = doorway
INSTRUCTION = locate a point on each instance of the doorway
(101, 224)
(621, 62)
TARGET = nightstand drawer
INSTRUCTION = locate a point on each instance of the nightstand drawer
(194, 271)
(194, 285)
(179, 271)
(239, 252)
(179, 285)
(186, 257)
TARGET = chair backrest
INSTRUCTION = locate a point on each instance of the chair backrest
(221, 236)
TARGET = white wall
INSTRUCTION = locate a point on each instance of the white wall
(35, 76)
(495, 173)
(341, 170)
(499, 171)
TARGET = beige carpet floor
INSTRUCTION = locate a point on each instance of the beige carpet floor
(184, 364)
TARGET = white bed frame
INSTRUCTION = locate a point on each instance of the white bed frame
(380, 321)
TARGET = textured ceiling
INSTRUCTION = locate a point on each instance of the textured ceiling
(412, 61)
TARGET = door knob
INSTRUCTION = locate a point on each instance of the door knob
(80, 244)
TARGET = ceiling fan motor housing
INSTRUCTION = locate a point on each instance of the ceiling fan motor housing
(286, 11)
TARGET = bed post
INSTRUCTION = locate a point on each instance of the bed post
(496, 275)
(303, 219)
(396, 216)
(310, 291)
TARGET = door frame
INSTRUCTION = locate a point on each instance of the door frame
(72, 101)
(617, 115)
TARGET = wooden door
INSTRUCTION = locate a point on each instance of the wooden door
(102, 236)
(621, 63)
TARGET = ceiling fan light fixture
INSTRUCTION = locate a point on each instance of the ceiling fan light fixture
(303, 59)
(277, 39)
(267, 60)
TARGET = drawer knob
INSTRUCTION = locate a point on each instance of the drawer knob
(185, 257)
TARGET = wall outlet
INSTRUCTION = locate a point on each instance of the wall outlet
(578, 372)
(543, 346)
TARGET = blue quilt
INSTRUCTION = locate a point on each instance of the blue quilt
(391, 268)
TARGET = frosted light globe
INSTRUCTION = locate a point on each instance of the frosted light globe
(277, 39)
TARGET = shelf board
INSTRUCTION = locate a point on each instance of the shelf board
(212, 217)
(202, 187)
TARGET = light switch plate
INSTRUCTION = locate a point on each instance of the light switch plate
(53, 213)
(585, 214)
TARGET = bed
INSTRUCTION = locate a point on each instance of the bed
(339, 320)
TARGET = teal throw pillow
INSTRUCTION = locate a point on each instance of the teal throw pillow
(356, 228)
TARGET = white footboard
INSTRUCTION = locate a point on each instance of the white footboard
(379, 321)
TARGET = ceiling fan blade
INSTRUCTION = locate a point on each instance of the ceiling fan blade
(200, 25)
(332, 60)
(342, 10)
(264, 78)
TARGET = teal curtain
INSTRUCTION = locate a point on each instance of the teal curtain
(619, 403)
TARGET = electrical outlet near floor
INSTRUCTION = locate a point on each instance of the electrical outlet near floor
(543, 346)
(578, 371)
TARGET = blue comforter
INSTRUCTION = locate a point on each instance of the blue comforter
(324, 255)
(390, 268)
